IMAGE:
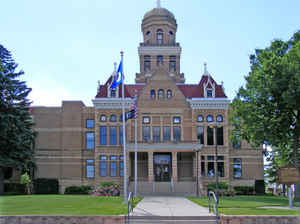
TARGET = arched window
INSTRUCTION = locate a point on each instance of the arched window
(200, 118)
(219, 118)
(159, 37)
(169, 94)
(152, 94)
(113, 118)
(161, 94)
(103, 118)
(209, 118)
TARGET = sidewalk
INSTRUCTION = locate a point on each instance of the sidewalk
(168, 206)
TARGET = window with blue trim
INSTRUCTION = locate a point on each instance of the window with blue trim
(90, 168)
(112, 135)
(103, 166)
(103, 135)
(90, 140)
(113, 166)
(89, 123)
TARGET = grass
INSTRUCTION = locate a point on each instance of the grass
(250, 205)
(62, 205)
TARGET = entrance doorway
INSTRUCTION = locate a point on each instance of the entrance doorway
(162, 165)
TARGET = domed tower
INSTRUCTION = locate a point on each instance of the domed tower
(159, 47)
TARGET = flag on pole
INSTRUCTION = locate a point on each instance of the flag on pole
(133, 111)
(119, 77)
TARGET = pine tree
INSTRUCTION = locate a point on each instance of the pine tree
(17, 136)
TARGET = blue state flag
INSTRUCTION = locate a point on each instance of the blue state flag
(119, 77)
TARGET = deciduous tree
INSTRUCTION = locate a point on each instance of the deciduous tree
(268, 107)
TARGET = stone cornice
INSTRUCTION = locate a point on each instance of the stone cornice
(211, 103)
(156, 50)
(111, 103)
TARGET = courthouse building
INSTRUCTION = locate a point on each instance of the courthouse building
(82, 145)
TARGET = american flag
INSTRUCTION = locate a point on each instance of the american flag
(134, 108)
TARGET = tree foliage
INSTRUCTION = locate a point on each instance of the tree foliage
(268, 106)
(267, 109)
(17, 136)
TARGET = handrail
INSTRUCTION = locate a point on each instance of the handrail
(215, 206)
(172, 184)
(130, 204)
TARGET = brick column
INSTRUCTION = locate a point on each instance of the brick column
(174, 166)
(150, 166)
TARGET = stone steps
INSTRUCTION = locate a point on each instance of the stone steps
(172, 219)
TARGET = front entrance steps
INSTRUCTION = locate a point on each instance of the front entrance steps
(184, 188)
(173, 219)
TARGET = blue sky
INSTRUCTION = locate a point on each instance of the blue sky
(66, 46)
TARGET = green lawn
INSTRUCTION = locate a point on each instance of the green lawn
(250, 205)
(62, 205)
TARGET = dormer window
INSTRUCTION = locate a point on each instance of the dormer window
(169, 94)
(113, 93)
(159, 36)
(209, 93)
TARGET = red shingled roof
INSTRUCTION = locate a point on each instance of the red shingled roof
(188, 90)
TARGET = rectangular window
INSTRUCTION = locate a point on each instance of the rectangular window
(237, 168)
(220, 137)
(146, 133)
(121, 166)
(210, 136)
(200, 134)
(103, 166)
(236, 143)
(177, 134)
(209, 93)
(90, 140)
(90, 168)
(167, 134)
(146, 120)
(112, 135)
(172, 66)
(176, 120)
(203, 168)
(210, 169)
(160, 60)
(147, 63)
(121, 135)
(89, 123)
(113, 166)
(103, 135)
(211, 158)
(156, 134)
(220, 168)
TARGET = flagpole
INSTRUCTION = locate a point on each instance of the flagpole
(135, 150)
(124, 135)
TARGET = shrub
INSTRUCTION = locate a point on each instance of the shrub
(221, 185)
(107, 189)
(14, 188)
(260, 187)
(78, 190)
(244, 190)
(45, 186)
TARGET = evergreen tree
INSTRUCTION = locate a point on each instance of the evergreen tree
(268, 107)
(17, 136)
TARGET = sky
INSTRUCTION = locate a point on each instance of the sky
(66, 46)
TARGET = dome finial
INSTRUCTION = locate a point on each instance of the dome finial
(158, 4)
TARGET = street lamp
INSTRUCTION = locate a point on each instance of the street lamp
(197, 149)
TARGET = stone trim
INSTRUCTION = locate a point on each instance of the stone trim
(212, 103)
(62, 219)
(259, 219)
(112, 103)
(157, 50)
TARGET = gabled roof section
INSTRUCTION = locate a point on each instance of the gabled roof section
(197, 91)
(129, 90)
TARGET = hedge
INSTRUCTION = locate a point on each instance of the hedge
(244, 190)
(46, 186)
(259, 187)
(78, 190)
(14, 188)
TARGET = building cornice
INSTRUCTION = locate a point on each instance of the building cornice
(209, 103)
(111, 103)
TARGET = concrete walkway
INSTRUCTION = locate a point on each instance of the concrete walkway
(168, 206)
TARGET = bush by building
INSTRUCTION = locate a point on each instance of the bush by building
(46, 186)
(14, 188)
(107, 189)
(244, 190)
(78, 190)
